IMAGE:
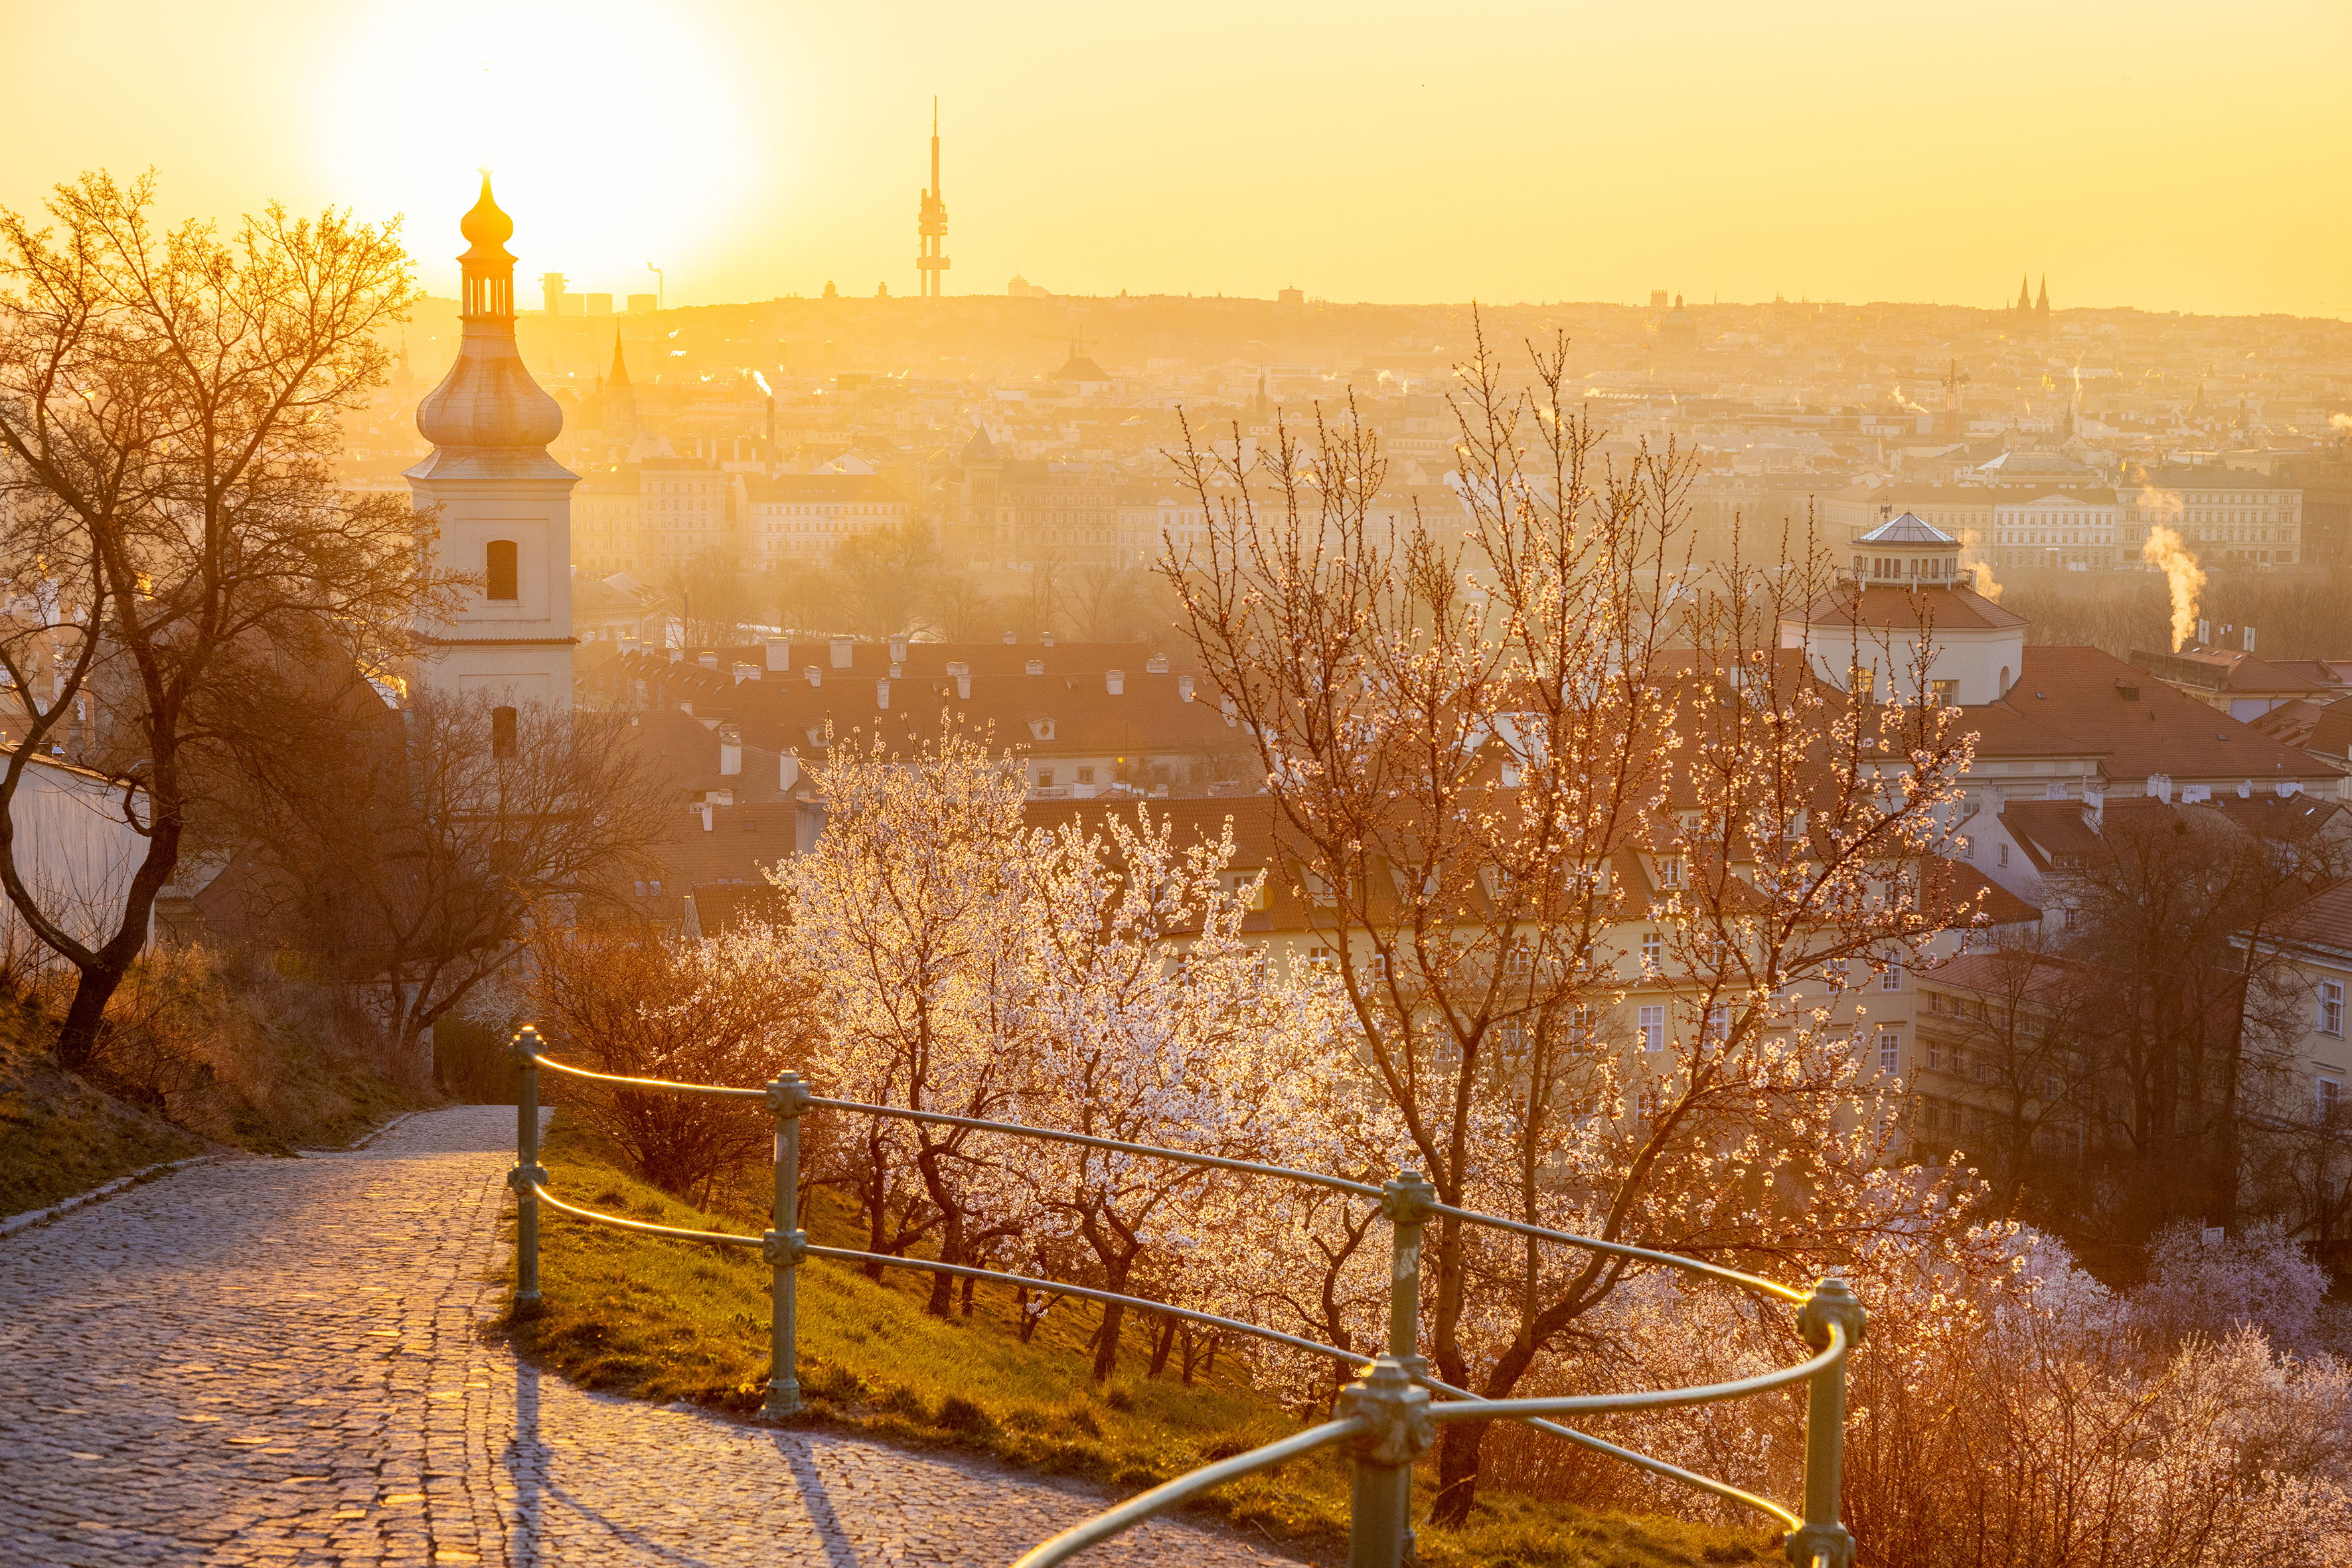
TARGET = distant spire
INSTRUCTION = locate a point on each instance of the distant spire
(2041, 306)
(2024, 293)
(620, 376)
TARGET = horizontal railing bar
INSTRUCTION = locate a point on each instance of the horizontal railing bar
(1621, 1250)
(1660, 1399)
(714, 1090)
(725, 1237)
(924, 1265)
(1639, 1460)
(1216, 1162)
(1136, 1508)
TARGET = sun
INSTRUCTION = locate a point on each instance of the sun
(617, 137)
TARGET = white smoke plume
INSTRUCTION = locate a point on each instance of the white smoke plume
(2165, 552)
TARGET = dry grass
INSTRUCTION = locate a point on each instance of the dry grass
(201, 1051)
(662, 1319)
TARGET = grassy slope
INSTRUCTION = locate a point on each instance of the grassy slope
(226, 1071)
(57, 1135)
(666, 1319)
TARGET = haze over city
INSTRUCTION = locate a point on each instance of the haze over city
(1498, 786)
(2157, 155)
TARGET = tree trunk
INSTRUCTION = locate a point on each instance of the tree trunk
(85, 1018)
(1107, 1337)
(1161, 1344)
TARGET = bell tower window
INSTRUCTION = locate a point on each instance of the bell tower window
(499, 569)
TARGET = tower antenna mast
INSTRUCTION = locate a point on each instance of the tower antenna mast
(931, 223)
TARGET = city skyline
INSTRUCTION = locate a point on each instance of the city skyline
(1713, 153)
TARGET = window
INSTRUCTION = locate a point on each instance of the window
(502, 732)
(1045, 778)
(2005, 856)
(1944, 693)
(499, 570)
(1653, 1027)
(1719, 1021)
(1934, 1056)
(1890, 1051)
(1646, 1103)
(1653, 950)
(1891, 977)
(2331, 1008)
(1670, 871)
(2329, 1094)
(1086, 775)
(1322, 960)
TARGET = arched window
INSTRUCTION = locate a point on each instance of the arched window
(2004, 682)
(502, 732)
(501, 570)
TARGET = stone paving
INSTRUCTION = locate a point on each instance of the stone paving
(284, 1362)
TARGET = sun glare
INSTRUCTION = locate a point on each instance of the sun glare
(614, 138)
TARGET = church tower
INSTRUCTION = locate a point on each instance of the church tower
(505, 505)
(620, 406)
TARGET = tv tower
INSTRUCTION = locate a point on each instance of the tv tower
(931, 222)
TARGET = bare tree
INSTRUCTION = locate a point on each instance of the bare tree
(2198, 1003)
(412, 854)
(169, 419)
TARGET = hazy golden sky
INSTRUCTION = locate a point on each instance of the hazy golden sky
(2157, 154)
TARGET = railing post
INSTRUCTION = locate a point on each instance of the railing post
(1405, 1202)
(527, 1173)
(1380, 1532)
(784, 1247)
(1379, 1518)
(1822, 1542)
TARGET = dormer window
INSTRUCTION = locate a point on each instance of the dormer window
(1041, 729)
(500, 571)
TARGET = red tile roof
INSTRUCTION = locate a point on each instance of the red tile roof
(2079, 693)
(1955, 609)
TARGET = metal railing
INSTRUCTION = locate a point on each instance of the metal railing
(1386, 1416)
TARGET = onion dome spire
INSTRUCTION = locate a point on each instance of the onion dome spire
(487, 410)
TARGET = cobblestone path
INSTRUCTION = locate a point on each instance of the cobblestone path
(282, 1361)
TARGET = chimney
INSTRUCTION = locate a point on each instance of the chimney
(1115, 681)
(744, 672)
(1047, 639)
(1156, 665)
(780, 654)
(730, 754)
(676, 656)
(1036, 666)
(2159, 787)
(706, 660)
(898, 651)
(1183, 688)
(1233, 715)
(1009, 639)
(816, 676)
(2204, 633)
(841, 649)
(2246, 790)
(881, 694)
(788, 771)
(963, 673)
(2250, 639)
